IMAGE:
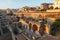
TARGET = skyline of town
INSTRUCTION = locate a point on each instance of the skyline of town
(20, 3)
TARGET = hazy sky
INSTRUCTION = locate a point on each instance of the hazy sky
(21, 3)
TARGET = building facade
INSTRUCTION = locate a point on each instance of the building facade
(46, 5)
(57, 4)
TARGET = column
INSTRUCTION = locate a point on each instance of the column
(1, 31)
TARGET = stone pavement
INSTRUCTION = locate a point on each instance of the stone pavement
(48, 37)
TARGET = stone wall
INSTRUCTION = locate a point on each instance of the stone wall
(56, 10)
(43, 14)
(7, 36)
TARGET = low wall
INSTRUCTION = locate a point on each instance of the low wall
(56, 10)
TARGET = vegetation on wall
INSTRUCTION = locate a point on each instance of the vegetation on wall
(55, 27)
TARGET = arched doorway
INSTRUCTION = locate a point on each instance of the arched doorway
(42, 29)
(20, 25)
(34, 27)
(15, 30)
(30, 26)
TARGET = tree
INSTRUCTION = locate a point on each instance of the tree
(56, 8)
(51, 7)
(56, 24)
(20, 25)
(43, 9)
(55, 27)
